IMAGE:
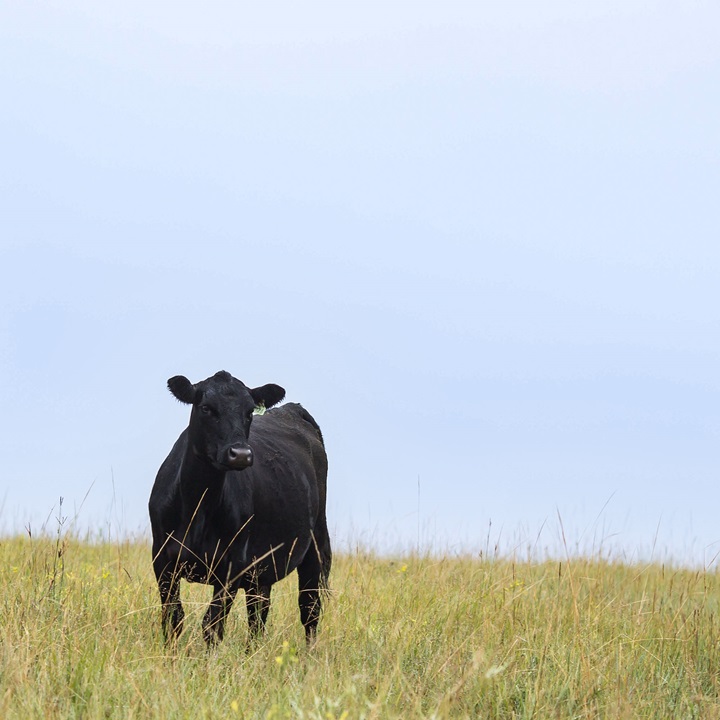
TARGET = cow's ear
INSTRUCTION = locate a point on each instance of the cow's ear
(182, 389)
(268, 395)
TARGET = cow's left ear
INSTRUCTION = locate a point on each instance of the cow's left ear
(268, 395)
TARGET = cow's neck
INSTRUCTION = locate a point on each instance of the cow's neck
(201, 484)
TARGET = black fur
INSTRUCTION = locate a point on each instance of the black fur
(239, 503)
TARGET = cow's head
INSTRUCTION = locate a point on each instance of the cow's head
(222, 410)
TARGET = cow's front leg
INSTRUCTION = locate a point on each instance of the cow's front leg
(214, 620)
(258, 606)
(172, 609)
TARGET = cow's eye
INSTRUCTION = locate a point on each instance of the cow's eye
(205, 409)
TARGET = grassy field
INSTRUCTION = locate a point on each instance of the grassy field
(406, 638)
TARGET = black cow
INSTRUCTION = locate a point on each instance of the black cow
(240, 503)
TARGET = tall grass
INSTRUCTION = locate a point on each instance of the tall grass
(405, 638)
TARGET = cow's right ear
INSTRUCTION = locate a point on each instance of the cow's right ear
(182, 389)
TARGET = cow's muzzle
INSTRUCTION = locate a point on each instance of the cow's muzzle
(239, 458)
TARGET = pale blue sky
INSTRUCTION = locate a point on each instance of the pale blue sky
(479, 241)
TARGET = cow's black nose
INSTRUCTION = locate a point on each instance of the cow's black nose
(240, 457)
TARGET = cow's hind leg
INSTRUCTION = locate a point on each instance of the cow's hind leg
(310, 583)
(313, 574)
(214, 621)
(258, 607)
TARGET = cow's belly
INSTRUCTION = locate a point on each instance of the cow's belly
(271, 560)
(257, 558)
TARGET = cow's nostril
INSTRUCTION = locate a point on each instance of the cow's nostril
(240, 457)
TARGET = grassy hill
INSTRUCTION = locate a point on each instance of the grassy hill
(405, 638)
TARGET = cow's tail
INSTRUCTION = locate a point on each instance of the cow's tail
(324, 555)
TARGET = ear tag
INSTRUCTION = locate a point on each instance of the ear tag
(259, 409)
